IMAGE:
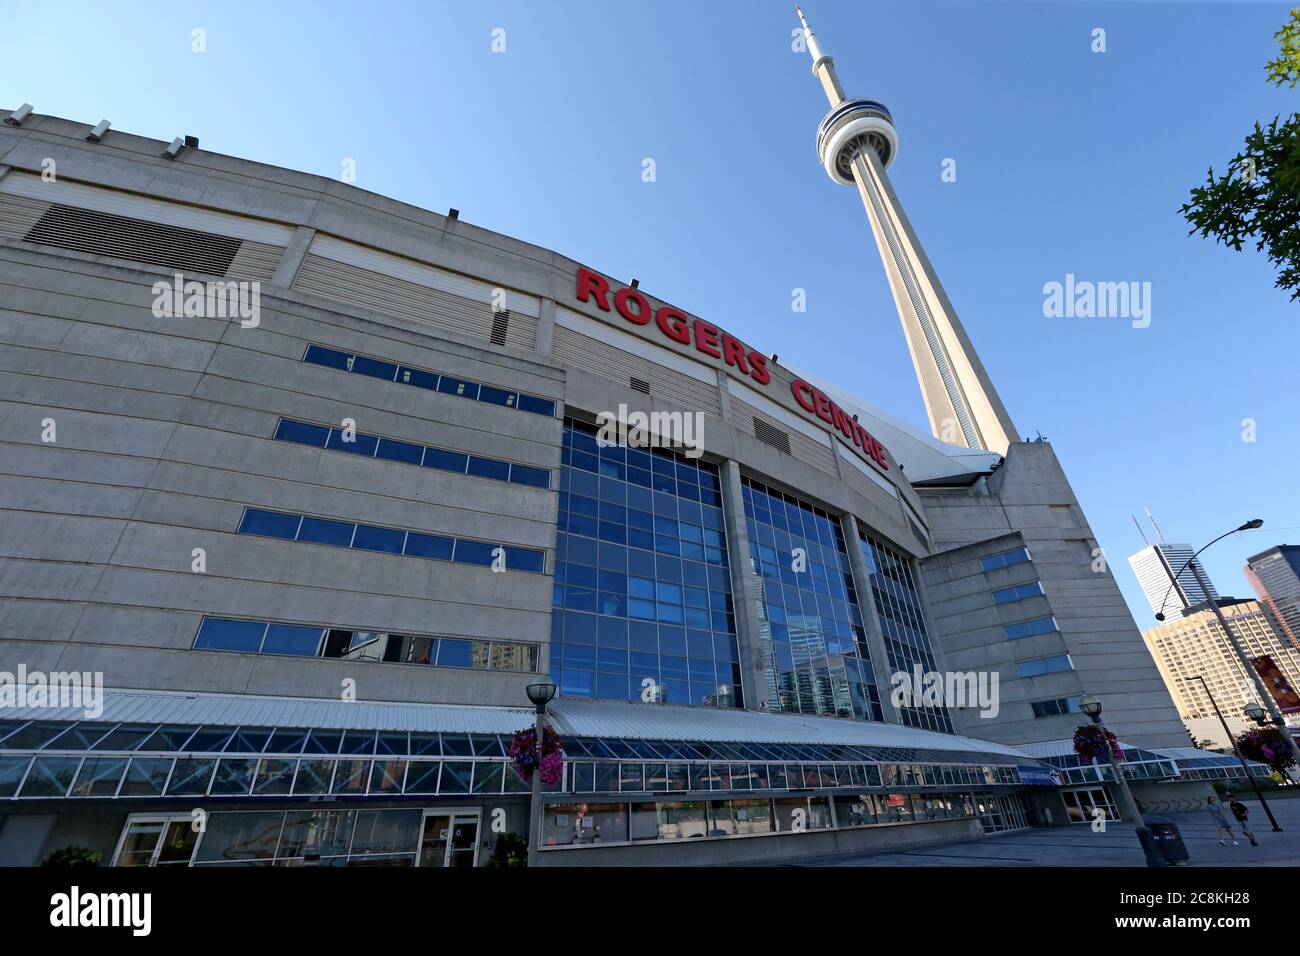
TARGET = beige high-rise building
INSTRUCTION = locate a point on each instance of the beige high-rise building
(1195, 646)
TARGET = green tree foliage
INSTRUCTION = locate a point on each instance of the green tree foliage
(1258, 198)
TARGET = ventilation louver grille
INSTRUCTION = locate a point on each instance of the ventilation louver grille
(106, 234)
(771, 436)
(640, 385)
(500, 326)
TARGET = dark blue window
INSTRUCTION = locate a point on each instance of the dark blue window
(418, 377)
(489, 468)
(374, 368)
(525, 559)
(496, 396)
(445, 460)
(326, 531)
(302, 433)
(360, 445)
(538, 406)
(474, 552)
(220, 634)
(319, 355)
(393, 450)
(458, 386)
(370, 538)
(429, 546)
(272, 524)
(526, 475)
(292, 639)
(452, 653)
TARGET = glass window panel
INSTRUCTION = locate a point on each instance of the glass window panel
(456, 775)
(422, 776)
(314, 776)
(274, 777)
(286, 741)
(292, 640)
(354, 443)
(319, 355)
(351, 776)
(433, 546)
(392, 450)
(146, 777)
(474, 552)
(319, 833)
(444, 460)
(386, 776)
(98, 777)
(219, 634)
(210, 739)
(533, 477)
(270, 524)
(191, 776)
(125, 737)
(358, 742)
(231, 837)
(326, 531)
(681, 820)
(487, 776)
(371, 538)
(234, 776)
(489, 468)
(455, 653)
(386, 831)
(11, 774)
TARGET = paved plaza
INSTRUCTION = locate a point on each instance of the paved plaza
(1077, 845)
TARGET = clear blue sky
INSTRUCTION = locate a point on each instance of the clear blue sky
(1067, 161)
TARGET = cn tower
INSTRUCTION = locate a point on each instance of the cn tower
(856, 143)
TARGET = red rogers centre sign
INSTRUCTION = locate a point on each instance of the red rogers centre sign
(707, 338)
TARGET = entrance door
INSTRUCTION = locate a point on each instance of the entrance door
(156, 841)
(449, 839)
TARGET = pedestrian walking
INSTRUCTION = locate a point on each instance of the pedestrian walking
(1220, 821)
(1242, 814)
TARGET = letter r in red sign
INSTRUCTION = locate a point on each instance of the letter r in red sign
(590, 284)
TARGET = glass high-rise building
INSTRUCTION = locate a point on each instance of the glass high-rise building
(1275, 576)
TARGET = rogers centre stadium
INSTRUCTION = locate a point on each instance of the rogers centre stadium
(319, 545)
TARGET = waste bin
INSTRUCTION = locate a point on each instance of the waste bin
(1167, 839)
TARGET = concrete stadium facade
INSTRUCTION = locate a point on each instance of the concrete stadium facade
(369, 515)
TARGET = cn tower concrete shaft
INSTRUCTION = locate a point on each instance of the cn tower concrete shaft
(856, 142)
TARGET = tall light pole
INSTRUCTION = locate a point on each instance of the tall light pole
(1091, 706)
(1237, 750)
(1260, 690)
(540, 693)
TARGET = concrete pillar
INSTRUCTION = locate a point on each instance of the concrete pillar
(744, 591)
(545, 327)
(292, 258)
(870, 620)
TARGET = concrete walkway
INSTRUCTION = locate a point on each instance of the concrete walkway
(1077, 845)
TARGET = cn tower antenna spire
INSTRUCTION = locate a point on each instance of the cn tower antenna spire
(856, 143)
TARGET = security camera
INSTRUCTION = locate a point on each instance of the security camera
(172, 151)
(17, 116)
(96, 134)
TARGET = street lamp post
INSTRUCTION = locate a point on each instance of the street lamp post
(1260, 689)
(1236, 750)
(1091, 706)
(540, 693)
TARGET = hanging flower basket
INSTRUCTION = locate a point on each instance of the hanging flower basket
(1266, 745)
(1091, 742)
(523, 751)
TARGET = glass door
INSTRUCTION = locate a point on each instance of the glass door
(157, 841)
(449, 839)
